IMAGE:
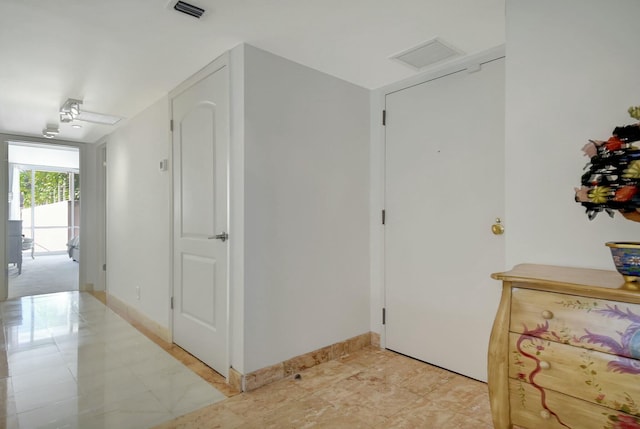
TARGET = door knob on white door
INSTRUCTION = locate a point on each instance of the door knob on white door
(224, 237)
(497, 228)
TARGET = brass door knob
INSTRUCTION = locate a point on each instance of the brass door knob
(497, 228)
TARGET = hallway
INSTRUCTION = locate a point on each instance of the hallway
(71, 362)
(68, 361)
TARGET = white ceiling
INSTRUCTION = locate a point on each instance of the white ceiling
(119, 56)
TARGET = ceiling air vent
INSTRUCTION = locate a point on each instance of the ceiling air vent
(189, 9)
(426, 54)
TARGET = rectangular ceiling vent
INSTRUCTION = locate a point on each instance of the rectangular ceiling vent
(188, 9)
(427, 54)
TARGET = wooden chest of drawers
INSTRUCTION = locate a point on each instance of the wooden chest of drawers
(565, 350)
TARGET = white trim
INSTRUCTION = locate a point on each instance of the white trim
(215, 65)
(4, 215)
(5, 139)
(101, 214)
(377, 175)
(218, 64)
(376, 204)
(462, 63)
(171, 217)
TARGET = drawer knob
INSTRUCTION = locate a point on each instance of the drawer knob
(544, 364)
(545, 414)
(546, 314)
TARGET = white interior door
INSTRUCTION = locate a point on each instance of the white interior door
(200, 154)
(444, 188)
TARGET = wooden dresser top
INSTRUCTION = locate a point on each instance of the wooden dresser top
(603, 284)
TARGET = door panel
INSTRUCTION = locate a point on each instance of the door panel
(444, 188)
(197, 174)
(200, 145)
(199, 303)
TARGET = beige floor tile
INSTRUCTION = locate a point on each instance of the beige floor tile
(386, 403)
(371, 388)
(213, 417)
(305, 413)
(469, 397)
(427, 380)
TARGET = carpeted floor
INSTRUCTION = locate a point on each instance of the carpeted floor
(44, 274)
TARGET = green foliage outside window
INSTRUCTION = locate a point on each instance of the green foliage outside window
(50, 187)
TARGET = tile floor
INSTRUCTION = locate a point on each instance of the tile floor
(195, 365)
(371, 388)
(70, 362)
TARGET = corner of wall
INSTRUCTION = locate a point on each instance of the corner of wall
(294, 365)
(236, 208)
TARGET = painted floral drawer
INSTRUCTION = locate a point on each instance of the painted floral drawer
(607, 326)
(551, 410)
(601, 378)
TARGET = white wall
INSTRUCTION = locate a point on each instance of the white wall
(572, 69)
(138, 213)
(306, 209)
(299, 156)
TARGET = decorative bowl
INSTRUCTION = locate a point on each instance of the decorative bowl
(626, 257)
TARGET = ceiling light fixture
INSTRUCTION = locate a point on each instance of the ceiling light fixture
(98, 118)
(76, 126)
(70, 110)
(50, 132)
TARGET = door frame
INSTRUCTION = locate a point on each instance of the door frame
(218, 63)
(378, 174)
(101, 214)
(4, 196)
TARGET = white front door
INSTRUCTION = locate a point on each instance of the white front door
(200, 159)
(444, 188)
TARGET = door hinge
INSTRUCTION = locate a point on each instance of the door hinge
(172, 303)
(384, 216)
(171, 125)
(384, 117)
(384, 316)
(104, 267)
